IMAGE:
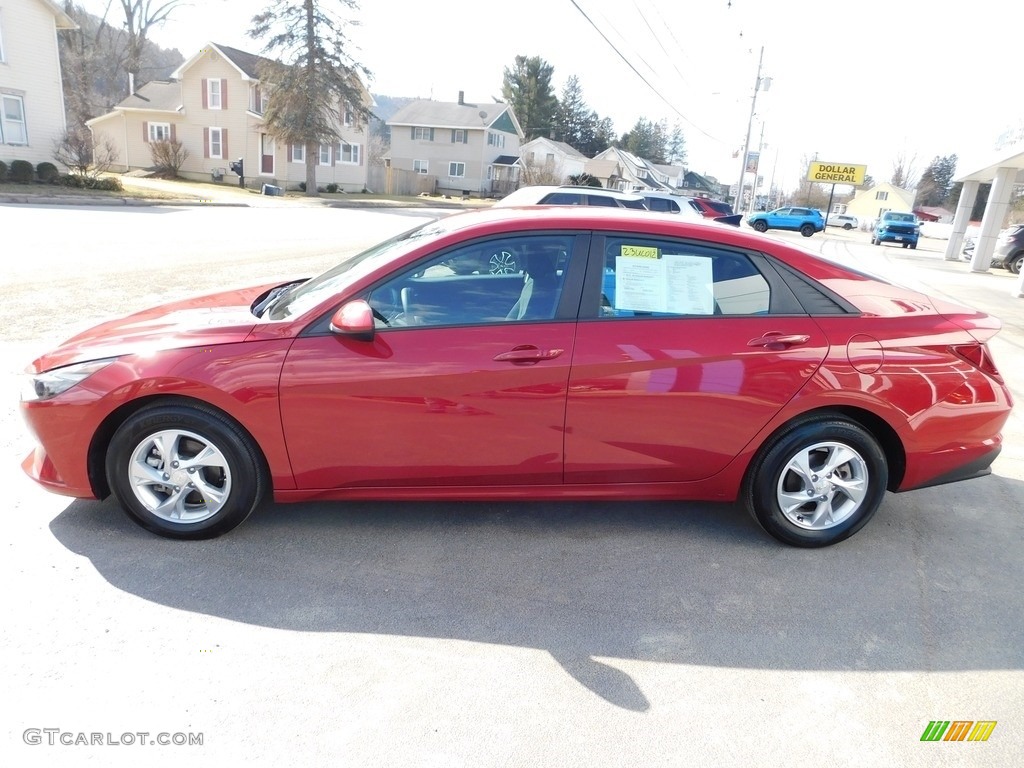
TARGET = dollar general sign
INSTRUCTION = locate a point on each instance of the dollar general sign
(837, 173)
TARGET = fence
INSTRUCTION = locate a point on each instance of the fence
(395, 181)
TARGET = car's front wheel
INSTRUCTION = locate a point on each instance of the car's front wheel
(184, 471)
(847, 226)
(1015, 264)
(760, 225)
(807, 230)
(818, 483)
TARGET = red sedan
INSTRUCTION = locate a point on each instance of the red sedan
(634, 356)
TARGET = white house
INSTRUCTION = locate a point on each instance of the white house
(32, 114)
(546, 161)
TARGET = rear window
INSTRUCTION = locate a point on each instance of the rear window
(723, 208)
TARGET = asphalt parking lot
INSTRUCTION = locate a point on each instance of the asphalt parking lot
(428, 634)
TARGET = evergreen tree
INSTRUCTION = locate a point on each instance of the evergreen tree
(527, 89)
(936, 182)
(675, 150)
(575, 122)
(317, 80)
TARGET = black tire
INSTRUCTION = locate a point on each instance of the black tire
(913, 246)
(807, 230)
(226, 484)
(875, 241)
(906, 245)
(835, 509)
(847, 226)
(1015, 264)
(760, 225)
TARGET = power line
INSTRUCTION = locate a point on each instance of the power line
(644, 79)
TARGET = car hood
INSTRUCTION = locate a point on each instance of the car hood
(220, 318)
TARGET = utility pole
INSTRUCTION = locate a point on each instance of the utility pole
(746, 144)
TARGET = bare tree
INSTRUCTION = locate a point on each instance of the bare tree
(141, 16)
(542, 173)
(168, 157)
(904, 171)
(75, 151)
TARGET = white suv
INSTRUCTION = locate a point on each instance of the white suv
(567, 195)
(842, 220)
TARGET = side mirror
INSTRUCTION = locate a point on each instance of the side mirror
(354, 319)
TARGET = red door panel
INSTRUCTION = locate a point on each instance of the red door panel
(675, 399)
(428, 406)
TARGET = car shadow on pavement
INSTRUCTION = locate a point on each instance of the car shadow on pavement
(930, 584)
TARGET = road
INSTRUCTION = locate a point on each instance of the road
(428, 634)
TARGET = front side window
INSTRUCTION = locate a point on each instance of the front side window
(660, 278)
(12, 120)
(456, 170)
(509, 279)
(420, 166)
(213, 94)
(159, 131)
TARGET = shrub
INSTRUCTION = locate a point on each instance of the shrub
(108, 184)
(22, 171)
(302, 186)
(332, 188)
(168, 157)
(71, 180)
(47, 172)
(3, 170)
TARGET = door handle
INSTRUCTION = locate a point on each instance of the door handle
(776, 340)
(527, 354)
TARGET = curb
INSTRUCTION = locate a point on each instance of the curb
(8, 199)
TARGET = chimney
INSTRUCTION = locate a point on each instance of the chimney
(131, 83)
(462, 98)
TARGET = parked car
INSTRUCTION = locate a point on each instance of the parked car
(712, 209)
(569, 195)
(635, 356)
(842, 220)
(896, 227)
(665, 202)
(1009, 251)
(806, 221)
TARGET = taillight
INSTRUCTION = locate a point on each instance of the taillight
(977, 354)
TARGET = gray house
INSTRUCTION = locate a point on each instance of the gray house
(458, 147)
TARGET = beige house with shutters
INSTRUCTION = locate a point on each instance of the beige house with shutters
(213, 104)
(32, 114)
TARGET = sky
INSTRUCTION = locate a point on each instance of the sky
(864, 82)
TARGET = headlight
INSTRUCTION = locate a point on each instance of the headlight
(49, 384)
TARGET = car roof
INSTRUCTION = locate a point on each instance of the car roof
(533, 194)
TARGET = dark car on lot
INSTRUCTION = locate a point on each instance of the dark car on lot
(711, 209)
(636, 355)
(806, 221)
(1009, 251)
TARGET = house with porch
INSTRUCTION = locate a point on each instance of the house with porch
(458, 147)
(32, 113)
(213, 104)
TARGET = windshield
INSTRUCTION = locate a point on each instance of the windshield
(304, 296)
(899, 217)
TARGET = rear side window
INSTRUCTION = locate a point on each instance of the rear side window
(662, 205)
(637, 205)
(662, 278)
(564, 198)
(603, 202)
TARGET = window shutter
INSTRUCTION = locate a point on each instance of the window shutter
(453, 135)
(224, 142)
(173, 133)
(412, 132)
(145, 131)
(431, 134)
(465, 137)
(206, 142)
(223, 94)
(206, 99)
(337, 153)
(256, 98)
(360, 154)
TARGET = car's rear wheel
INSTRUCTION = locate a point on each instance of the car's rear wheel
(760, 226)
(1015, 264)
(807, 230)
(847, 226)
(875, 241)
(818, 483)
(913, 246)
(184, 471)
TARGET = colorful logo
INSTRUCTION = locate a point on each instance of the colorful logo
(958, 730)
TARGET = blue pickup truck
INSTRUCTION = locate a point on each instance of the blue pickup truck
(896, 227)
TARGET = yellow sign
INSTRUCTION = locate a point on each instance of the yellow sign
(639, 251)
(837, 173)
